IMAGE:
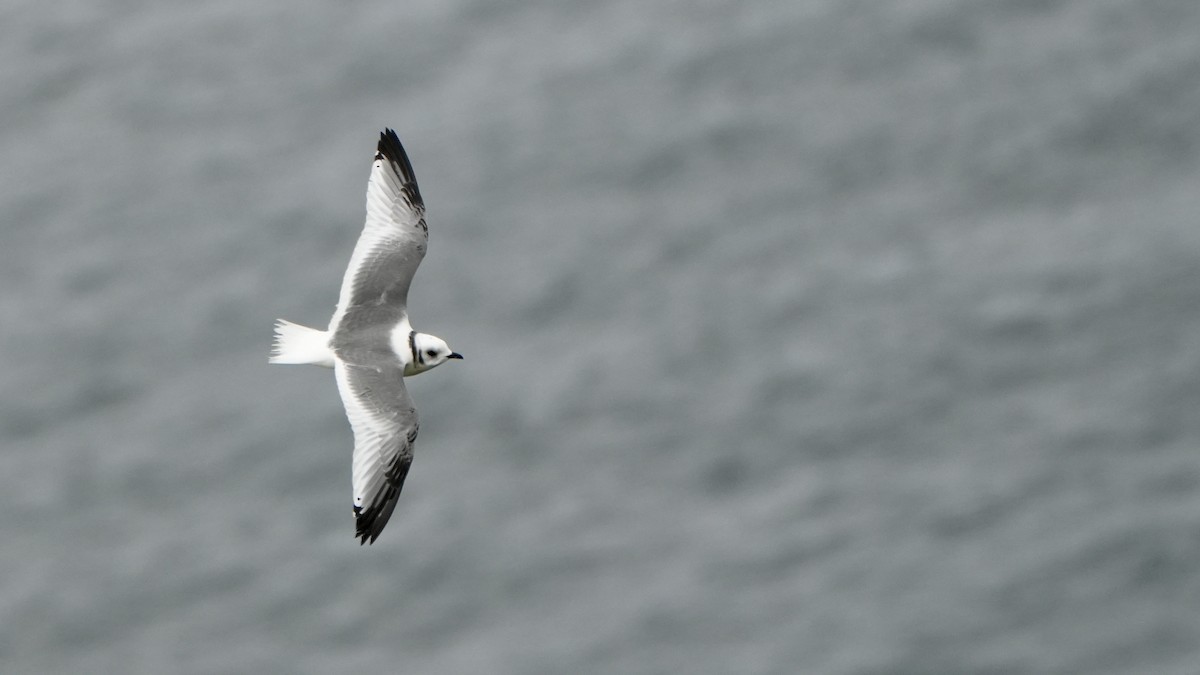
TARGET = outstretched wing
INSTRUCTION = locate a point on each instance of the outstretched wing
(394, 236)
(385, 427)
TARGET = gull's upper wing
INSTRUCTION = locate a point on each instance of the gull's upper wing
(384, 421)
(393, 239)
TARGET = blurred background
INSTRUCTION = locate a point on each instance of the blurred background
(801, 336)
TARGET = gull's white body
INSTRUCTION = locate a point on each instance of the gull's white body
(370, 342)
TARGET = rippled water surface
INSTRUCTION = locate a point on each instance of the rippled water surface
(830, 337)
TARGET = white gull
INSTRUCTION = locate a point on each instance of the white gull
(370, 343)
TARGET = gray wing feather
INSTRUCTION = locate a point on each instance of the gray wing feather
(385, 428)
(394, 237)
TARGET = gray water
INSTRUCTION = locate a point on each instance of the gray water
(820, 336)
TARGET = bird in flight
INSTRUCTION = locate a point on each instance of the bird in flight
(370, 343)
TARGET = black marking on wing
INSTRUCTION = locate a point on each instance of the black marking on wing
(370, 521)
(377, 388)
(385, 272)
(389, 148)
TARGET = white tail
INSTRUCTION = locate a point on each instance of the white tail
(296, 344)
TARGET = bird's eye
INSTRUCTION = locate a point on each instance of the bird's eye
(430, 352)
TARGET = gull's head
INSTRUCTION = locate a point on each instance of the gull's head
(431, 351)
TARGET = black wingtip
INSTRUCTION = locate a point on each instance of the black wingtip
(369, 523)
(369, 520)
(390, 148)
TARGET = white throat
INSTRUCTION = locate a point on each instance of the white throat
(402, 345)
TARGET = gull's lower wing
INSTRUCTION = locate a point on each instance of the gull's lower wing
(385, 428)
